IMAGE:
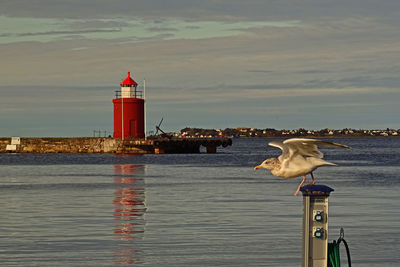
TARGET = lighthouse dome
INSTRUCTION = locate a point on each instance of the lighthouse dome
(128, 82)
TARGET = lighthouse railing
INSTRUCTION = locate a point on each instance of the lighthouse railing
(135, 94)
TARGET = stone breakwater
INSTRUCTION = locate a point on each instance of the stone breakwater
(70, 145)
(108, 145)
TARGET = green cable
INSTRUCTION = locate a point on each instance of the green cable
(334, 251)
(333, 254)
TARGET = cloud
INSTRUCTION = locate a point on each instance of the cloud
(161, 29)
(312, 71)
(221, 94)
(64, 32)
(202, 10)
(261, 71)
(369, 81)
(96, 24)
(128, 28)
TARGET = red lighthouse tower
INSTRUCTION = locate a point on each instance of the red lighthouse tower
(128, 110)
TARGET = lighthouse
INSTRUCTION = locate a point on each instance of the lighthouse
(129, 110)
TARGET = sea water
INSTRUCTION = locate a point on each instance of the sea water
(193, 209)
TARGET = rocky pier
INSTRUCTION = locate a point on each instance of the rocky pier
(109, 145)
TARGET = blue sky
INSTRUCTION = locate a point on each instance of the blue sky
(214, 64)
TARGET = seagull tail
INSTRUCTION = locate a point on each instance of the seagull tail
(332, 144)
(320, 162)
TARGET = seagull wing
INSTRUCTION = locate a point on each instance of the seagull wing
(305, 141)
(283, 147)
(290, 158)
(277, 144)
(308, 148)
(304, 147)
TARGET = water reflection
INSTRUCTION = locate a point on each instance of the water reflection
(129, 203)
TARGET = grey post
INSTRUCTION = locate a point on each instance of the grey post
(315, 225)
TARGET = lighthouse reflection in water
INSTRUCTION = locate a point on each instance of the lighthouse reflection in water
(129, 203)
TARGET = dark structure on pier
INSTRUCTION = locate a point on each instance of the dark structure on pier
(183, 145)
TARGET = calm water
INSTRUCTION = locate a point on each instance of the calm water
(192, 210)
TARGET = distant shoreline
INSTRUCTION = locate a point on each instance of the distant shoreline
(332, 136)
(273, 133)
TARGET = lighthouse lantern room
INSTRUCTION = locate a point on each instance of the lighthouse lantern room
(129, 111)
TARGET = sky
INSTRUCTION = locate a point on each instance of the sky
(283, 64)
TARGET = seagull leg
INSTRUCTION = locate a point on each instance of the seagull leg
(313, 180)
(301, 184)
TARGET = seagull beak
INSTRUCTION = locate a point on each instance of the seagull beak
(257, 167)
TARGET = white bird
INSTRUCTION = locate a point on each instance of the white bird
(300, 156)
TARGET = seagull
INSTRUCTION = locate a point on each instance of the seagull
(300, 156)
